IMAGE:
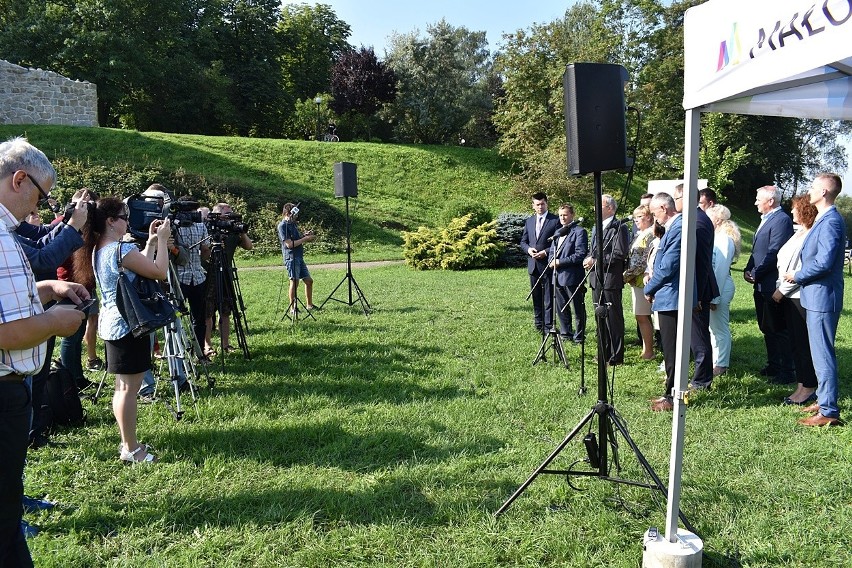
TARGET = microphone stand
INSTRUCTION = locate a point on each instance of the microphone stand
(551, 333)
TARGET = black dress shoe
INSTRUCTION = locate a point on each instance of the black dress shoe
(789, 402)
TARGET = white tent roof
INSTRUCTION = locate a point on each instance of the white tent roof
(770, 57)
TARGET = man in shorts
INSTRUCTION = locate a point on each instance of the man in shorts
(292, 248)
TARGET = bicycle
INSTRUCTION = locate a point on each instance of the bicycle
(331, 135)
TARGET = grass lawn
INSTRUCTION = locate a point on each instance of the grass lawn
(390, 440)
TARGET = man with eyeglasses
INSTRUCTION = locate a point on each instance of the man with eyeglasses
(24, 328)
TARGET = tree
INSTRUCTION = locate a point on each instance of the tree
(247, 45)
(311, 39)
(360, 84)
(443, 83)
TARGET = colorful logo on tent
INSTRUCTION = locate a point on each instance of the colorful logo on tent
(729, 50)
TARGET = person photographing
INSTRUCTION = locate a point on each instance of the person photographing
(292, 241)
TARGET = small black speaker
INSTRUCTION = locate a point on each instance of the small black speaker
(345, 179)
(595, 128)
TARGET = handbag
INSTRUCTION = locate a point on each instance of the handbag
(142, 303)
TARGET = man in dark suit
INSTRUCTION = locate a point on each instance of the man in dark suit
(662, 289)
(607, 294)
(707, 290)
(534, 242)
(762, 271)
(821, 280)
(566, 257)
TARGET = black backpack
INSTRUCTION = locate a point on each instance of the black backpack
(63, 398)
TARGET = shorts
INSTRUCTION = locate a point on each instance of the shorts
(128, 355)
(297, 269)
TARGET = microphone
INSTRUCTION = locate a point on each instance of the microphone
(561, 232)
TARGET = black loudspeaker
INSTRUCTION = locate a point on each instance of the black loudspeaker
(345, 179)
(594, 117)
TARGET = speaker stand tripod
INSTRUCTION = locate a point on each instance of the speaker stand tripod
(608, 420)
(349, 278)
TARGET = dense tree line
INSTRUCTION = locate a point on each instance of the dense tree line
(257, 68)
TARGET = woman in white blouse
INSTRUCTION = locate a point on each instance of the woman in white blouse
(726, 249)
(787, 293)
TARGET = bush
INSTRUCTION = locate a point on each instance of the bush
(510, 228)
(460, 246)
(123, 180)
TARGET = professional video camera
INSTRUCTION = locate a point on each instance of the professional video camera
(142, 210)
(226, 223)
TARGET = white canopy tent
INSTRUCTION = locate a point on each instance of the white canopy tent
(767, 57)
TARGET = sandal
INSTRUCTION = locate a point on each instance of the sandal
(96, 364)
(231, 349)
(210, 353)
(130, 457)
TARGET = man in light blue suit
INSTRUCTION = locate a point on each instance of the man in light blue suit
(821, 281)
(663, 289)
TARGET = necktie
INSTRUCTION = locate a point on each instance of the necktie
(538, 226)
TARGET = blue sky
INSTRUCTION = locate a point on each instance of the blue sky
(372, 21)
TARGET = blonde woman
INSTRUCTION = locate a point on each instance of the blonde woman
(636, 266)
(726, 249)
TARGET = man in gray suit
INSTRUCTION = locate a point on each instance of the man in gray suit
(567, 252)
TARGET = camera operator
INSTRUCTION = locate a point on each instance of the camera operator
(192, 277)
(230, 241)
(292, 248)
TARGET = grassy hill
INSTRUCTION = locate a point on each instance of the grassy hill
(400, 187)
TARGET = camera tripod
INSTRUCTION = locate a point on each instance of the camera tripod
(296, 307)
(180, 352)
(609, 422)
(228, 295)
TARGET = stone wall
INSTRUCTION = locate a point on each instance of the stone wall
(34, 96)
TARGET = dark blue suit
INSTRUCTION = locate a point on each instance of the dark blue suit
(706, 290)
(664, 288)
(569, 252)
(821, 280)
(769, 237)
(541, 296)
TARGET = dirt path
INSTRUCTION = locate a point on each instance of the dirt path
(335, 265)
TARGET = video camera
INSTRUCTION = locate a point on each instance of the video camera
(142, 210)
(226, 223)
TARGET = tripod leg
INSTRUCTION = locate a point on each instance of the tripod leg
(546, 462)
(622, 429)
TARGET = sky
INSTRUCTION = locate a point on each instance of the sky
(373, 21)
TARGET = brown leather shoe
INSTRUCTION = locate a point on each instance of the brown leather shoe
(820, 420)
(811, 409)
(662, 405)
(719, 371)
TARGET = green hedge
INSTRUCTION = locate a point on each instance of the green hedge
(462, 245)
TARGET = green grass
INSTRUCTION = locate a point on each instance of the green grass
(390, 440)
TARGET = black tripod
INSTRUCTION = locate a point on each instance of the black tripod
(296, 307)
(365, 305)
(228, 296)
(550, 338)
(608, 420)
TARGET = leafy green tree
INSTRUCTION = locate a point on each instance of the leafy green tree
(442, 83)
(716, 160)
(246, 44)
(311, 39)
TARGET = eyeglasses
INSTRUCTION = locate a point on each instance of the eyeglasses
(44, 196)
